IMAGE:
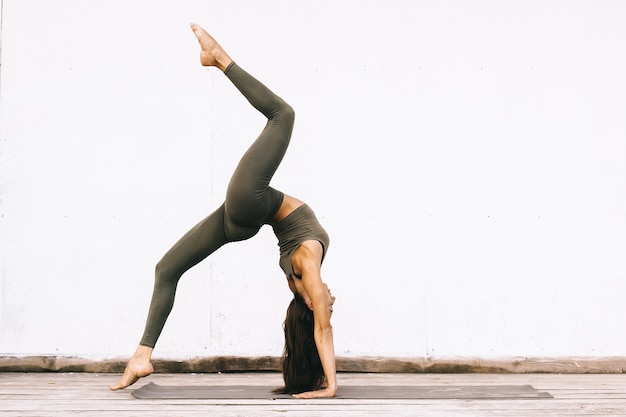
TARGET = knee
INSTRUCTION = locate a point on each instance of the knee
(289, 113)
(164, 273)
(285, 113)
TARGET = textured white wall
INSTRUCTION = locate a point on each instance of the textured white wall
(467, 159)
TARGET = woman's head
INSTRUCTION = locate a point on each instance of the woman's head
(302, 368)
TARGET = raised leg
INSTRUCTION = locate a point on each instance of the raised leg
(250, 201)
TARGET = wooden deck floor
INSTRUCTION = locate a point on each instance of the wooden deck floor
(83, 394)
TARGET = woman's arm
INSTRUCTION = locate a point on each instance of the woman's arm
(307, 260)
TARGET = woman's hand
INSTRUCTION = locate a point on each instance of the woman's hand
(322, 393)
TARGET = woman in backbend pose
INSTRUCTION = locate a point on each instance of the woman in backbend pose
(309, 357)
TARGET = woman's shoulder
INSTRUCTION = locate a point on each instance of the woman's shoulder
(309, 250)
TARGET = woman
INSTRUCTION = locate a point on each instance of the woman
(309, 358)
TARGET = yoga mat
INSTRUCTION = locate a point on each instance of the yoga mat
(251, 392)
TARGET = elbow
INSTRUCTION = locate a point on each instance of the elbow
(324, 332)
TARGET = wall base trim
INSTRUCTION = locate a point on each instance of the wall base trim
(613, 365)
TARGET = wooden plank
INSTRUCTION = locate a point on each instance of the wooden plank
(58, 394)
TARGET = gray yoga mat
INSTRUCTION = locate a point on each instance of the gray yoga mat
(251, 392)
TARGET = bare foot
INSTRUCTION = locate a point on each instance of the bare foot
(138, 366)
(211, 53)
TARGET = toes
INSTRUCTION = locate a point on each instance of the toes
(123, 383)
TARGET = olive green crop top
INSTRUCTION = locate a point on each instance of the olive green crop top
(299, 226)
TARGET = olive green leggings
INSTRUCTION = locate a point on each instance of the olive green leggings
(250, 201)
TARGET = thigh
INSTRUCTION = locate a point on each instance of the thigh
(198, 243)
(249, 198)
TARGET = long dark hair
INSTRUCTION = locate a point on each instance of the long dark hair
(302, 368)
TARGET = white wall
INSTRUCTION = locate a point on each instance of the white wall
(467, 159)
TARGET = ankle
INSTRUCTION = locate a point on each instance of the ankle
(223, 62)
(143, 352)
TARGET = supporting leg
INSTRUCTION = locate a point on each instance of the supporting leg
(201, 241)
